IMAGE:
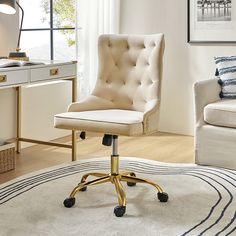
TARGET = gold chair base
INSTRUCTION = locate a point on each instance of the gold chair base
(115, 178)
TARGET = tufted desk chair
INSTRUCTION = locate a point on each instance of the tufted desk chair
(125, 101)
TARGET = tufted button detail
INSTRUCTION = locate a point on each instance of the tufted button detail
(150, 82)
(130, 77)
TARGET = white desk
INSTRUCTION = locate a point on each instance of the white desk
(16, 77)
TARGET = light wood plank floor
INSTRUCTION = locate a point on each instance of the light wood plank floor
(161, 147)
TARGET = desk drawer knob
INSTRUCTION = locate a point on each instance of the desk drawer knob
(3, 78)
(54, 72)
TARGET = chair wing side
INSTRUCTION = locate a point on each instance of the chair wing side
(152, 110)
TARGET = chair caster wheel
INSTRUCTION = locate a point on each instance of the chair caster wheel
(119, 211)
(131, 184)
(69, 202)
(163, 197)
(83, 189)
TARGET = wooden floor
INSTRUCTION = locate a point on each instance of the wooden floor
(161, 147)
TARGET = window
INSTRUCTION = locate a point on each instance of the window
(49, 29)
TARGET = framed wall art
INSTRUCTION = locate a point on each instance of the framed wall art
(211, 21)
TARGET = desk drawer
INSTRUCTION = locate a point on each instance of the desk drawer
(51, 73)
(13, 77)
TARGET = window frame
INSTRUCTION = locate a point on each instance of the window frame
(51, 29)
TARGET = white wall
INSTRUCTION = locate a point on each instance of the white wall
(39, 105)
(184, 63)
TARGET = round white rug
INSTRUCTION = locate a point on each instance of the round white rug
(201, 202)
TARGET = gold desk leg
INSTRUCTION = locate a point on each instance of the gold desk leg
(74, 146)
(18, 118)
(74, 89)
(74, 99)
(120, 191)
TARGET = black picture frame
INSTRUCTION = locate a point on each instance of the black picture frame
(190, 41)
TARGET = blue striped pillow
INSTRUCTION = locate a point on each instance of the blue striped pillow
(226, 68)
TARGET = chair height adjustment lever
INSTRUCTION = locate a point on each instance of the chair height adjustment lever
(82, 135)
(107, 140)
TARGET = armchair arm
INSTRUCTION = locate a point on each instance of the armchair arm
(205, 92)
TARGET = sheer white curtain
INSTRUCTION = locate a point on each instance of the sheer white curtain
(94, 17)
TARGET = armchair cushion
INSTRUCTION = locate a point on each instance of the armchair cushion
(221, 113)
(112, 121)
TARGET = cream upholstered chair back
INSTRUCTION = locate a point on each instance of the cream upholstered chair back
(129, 77)
(130, 71)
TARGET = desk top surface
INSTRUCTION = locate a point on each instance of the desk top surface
(47, 63)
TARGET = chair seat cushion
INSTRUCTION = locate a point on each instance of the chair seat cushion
(112, 121)
(221, 113)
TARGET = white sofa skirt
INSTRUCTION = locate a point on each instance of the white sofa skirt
(215, 146)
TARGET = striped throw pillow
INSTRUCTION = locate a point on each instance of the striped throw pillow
(226, 70)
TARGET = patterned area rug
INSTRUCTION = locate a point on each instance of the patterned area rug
(201, 202)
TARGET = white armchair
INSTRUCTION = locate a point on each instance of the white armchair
(215, 126)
